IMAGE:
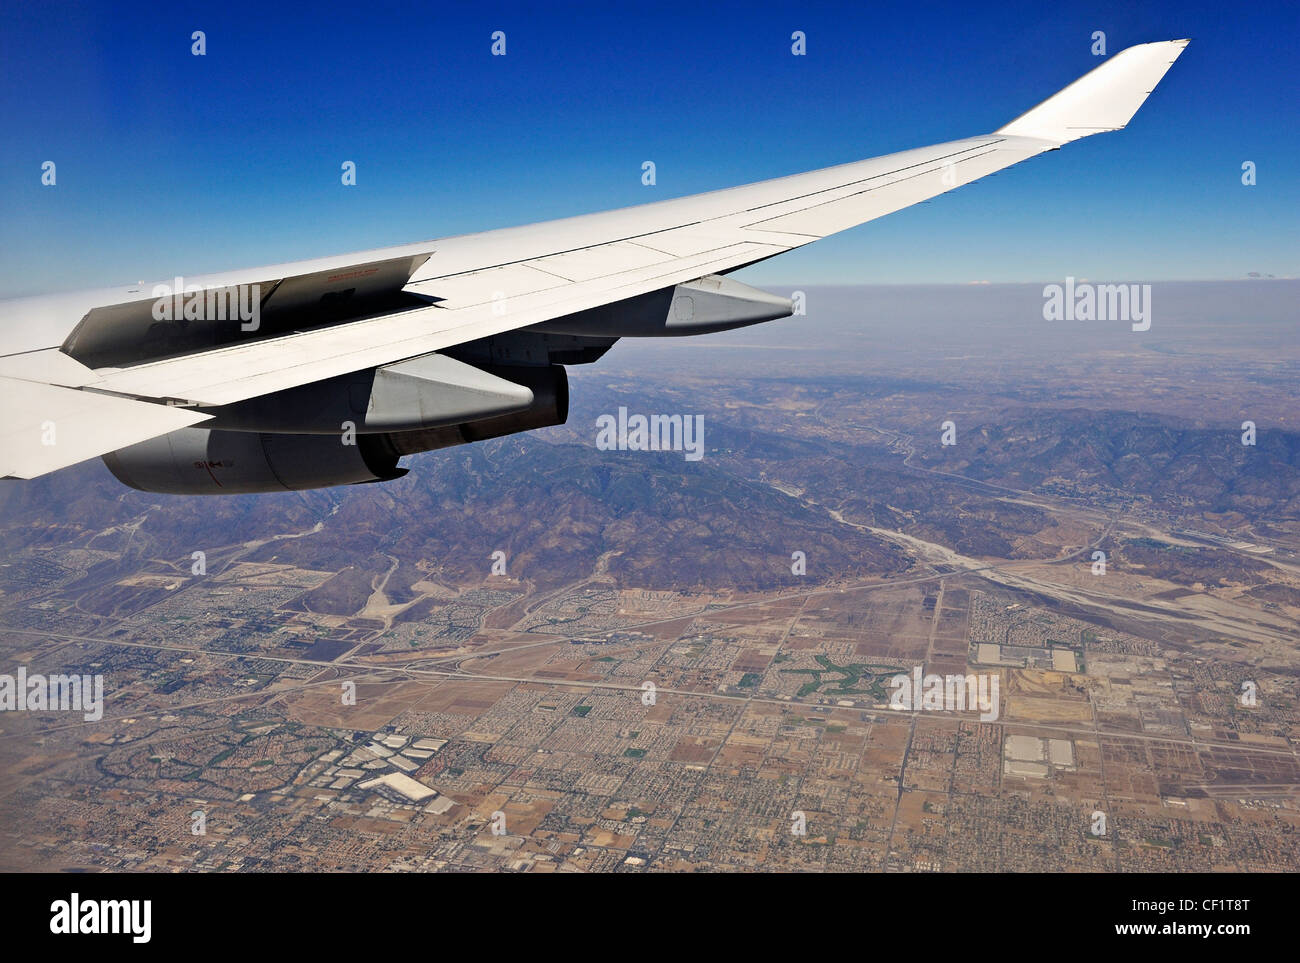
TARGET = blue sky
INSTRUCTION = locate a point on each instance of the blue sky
(169, 163)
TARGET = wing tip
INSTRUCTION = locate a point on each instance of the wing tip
(1104, 99)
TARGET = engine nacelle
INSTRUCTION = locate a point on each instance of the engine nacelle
(702, 306)
(209, 461)
(206, 461)
(426, 392)
(550, 388)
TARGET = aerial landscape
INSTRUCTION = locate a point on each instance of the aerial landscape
(519, 698)
(639, 453)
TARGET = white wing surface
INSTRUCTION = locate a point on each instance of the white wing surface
(479, 285)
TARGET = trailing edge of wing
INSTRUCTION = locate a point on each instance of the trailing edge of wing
(48, 427)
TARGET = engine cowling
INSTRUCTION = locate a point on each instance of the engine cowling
(211, 461)
(550, 388)
(206, 461)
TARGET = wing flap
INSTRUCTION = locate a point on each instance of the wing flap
(158, 325)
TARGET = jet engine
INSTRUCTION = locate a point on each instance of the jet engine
(199, 461)
(223, 461)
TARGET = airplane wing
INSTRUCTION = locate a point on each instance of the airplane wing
(466, 288)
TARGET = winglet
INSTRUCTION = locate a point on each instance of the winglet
(1103, 99)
